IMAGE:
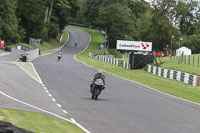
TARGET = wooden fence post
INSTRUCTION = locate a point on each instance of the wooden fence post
(185, 60)
(193, 60)
(189, 60)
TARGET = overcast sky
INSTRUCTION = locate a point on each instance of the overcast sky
(148, 0)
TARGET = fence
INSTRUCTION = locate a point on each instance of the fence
(189, 59)
(113, 61)
(173, 74)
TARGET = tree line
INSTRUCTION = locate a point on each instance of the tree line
(41, 19)
(163, 22)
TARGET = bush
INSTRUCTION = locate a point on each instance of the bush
(53, 30)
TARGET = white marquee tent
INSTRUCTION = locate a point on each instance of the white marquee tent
(184, 51)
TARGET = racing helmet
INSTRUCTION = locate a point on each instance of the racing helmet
(99, 72)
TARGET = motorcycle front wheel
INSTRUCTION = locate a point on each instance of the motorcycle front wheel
(97, 93)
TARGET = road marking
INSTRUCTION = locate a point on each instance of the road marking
(58, 105)
(45, 88)
(47, 91)
(53, 99)
(50, 95)
(37, 108)
(65, 111)
(73, 121)
(27, 72)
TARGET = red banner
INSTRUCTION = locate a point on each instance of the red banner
(2, 44)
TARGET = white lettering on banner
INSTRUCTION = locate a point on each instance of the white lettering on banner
(134, 45)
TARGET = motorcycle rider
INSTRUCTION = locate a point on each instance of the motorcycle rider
(76, 42)
(59, 56)
(98, 75)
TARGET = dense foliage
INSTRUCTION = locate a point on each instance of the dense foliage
(156, 22)
(137, 20)
(42, 19)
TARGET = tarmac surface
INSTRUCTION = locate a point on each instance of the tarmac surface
(123, 107)
(19, 91)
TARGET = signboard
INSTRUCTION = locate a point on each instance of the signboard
(2, 44)
(134, 45)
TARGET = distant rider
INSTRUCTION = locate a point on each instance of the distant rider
(59, 56)
(76, 43)
(98, 75)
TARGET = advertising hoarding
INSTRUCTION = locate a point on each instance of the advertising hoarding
(134, 45)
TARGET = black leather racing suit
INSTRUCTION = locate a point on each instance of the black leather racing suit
(97, 76)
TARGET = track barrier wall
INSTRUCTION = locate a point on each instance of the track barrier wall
(32, 54)
(173, 74)
(113, 61)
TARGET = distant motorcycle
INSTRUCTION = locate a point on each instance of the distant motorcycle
(97, 87)
(59, 56)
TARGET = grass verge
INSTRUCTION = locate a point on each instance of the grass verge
(169, 86)
(172, 63)
(46, 47)
(28, 68)
(38, 123)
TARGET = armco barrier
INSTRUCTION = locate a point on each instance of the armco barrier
(113, 61)
(32, 54)
(173, 74)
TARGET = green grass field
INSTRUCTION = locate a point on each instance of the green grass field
(173, 63)
(38, 123)
(169, 86)
(48, 47)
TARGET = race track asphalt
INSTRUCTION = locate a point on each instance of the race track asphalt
(123, 107)
(19, 91)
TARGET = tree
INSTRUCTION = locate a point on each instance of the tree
(9, 29)
(32, 14)
(192, 42)
(143, 26)
(92, 9)
(161, 29)
(138, 8)
(186, 15)
(116, 20)
(61, 13)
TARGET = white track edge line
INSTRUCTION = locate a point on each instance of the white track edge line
(42, 110)
(36, 73)
(26, 72)
(77, 124)
(37, 108)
